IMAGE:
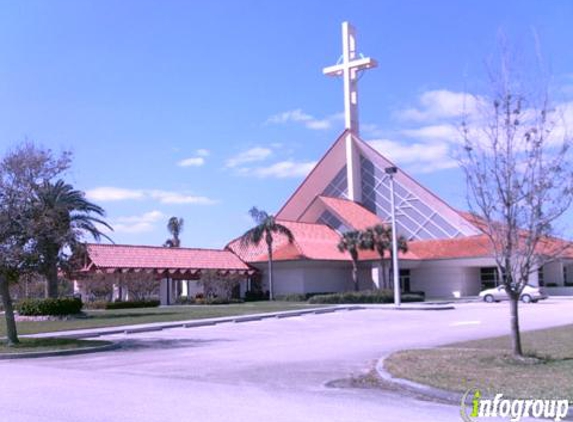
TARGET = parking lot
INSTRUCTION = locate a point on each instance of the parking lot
(268, 370)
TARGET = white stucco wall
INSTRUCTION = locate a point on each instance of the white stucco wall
(314, 277)
(553, 273)
(445, 281)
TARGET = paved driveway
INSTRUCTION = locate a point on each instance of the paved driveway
(270, 370)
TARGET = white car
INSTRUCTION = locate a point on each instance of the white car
(528, 295)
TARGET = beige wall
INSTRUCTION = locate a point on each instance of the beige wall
(445, 281)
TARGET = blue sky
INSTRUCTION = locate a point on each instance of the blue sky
(204, 109)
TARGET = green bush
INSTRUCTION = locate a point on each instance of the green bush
(292, 297)
(299, 297)
(254, 296)
(132, 304)
(368, 296)
(50, 307)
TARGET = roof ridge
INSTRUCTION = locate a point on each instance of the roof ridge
(155, 247)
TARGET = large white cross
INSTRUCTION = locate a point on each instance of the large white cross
(348, 68)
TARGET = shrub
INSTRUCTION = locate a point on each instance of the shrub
(52, 307)
(292, 297)
(368, 296)
(132, 304)
(185, 300)
(219, 301)
(255, 295)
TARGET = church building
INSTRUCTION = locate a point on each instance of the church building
(352, 187)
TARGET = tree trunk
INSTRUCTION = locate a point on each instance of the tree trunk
(11, 332)
(515, 333)
(270, 250)
(355, 275)
(52, 280)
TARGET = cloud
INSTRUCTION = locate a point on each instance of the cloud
(110, 194)
(417, 157)
(191, 162)
(137, 223)
(167, 197)
(281, 170)
(250, 156)
(309, 121)
(446, 132)
(197, 160)
(440, 104)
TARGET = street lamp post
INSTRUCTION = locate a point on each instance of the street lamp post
(391, 171)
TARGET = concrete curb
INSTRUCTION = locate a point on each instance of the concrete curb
(432, 392)
(54, 353)
(143, 328)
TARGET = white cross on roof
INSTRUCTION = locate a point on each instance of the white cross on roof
(348, 68)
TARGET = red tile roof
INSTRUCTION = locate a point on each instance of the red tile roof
(352, 214)
(461, 247)
(160, 258)
(312, 241)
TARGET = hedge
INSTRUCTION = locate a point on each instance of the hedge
(132, 304)
(299, 297)
(51, 307)
(369, 296)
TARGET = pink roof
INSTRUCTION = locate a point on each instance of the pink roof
(160, 258)
(312, 241)
(352, 213)
(461, 247)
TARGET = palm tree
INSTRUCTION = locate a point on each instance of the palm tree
(175, 227)
(62, 216)
(351, 242)
(266, 227)
(379, 238)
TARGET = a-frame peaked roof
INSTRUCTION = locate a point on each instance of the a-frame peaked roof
(421, 214)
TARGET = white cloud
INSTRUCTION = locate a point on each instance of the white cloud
(137, 223)
(440, 104)
(309, 121)
(203, 152)
(108, 194)
(281, 170)
(191, 162)
(250, 156)
(445, 132)
(167, 197)
(417, 157)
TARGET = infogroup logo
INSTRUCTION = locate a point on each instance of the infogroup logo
(513, 409)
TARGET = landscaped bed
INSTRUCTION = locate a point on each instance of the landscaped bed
(487, 364)
(118, 317)
(37, 345)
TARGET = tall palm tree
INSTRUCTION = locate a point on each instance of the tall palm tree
(379, 238)
(62, 216)
(266, 227)
(351, 242)
(175, 227)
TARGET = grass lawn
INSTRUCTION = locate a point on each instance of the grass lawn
(112, 318)
(487, 364)
(28, 345)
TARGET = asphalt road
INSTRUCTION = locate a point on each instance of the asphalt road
(270, 370)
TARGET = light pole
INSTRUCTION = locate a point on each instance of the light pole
(391, 171)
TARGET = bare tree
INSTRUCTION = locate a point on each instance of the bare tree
(516, 162)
